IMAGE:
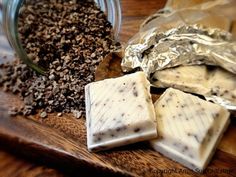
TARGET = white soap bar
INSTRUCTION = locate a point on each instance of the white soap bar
(189, 128)
(223, 83)
(186, 78)
(199, 80)
(119, 111)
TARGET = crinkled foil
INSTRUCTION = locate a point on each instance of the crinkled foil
(221, 101)
(185, 45)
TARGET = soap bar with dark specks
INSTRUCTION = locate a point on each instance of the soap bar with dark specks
(189, 128)
(119, 111)
(198, 79)
(186, 78)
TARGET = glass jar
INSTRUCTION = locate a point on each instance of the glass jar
(9, 10)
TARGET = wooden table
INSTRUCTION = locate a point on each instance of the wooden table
(134, 11)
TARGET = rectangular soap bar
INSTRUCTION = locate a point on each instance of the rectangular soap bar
(198, 79)
(223, 83)
(186, 78)
(119, 111)
(189, 128)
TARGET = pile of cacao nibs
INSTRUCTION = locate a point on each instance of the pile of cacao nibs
(69, 39)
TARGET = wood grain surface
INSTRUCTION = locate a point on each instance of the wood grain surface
(63, 142)
(60, 142)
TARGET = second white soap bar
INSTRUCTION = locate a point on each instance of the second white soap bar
(119, 111)
(189, 128)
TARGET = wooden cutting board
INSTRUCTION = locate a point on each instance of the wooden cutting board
(62, 140)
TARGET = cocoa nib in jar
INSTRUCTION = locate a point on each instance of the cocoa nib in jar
(69, 39)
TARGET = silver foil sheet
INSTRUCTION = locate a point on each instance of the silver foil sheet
(222, 101)
(186, 45)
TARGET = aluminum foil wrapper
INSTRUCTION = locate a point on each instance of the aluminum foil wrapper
(222, 101)
(185, 45)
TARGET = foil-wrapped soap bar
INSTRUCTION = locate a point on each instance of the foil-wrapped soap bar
(189, 128)
(216, 84)
(186, 78)
(223, 84)
(119, 111)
